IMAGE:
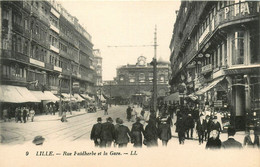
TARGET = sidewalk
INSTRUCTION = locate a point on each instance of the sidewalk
(49, 117)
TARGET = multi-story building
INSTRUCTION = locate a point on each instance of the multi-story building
(42, 43)
(98, 68)
(215, 56)
(135, 81)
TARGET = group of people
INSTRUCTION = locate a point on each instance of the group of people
(104, 134)
(251, 140)
(22, 114)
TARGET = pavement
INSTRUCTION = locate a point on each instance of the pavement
(49, 117)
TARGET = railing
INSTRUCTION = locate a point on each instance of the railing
(44, 18)
(9, 54)
(49, 66)
(13, 78)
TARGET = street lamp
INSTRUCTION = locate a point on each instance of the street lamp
(60, 107)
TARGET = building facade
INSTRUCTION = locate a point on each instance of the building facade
(215, 57)
(134, 82)
(98, 75)
(42, 43)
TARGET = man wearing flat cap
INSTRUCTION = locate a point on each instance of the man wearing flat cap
(96, 132)
(107, 133)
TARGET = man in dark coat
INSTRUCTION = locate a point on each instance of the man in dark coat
(231, 142)
(180, 128)
(128, 113)
(24, 114)
(151, 133)
(122, 134)
(189, 123)
(207, 129)
(164, 131)
(201, 125)
(137, 131)
(107, 133)
(213, 142)
(96, 131)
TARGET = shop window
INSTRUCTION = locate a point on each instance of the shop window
(238, 48)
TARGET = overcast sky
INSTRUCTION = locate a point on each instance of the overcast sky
(126, 23)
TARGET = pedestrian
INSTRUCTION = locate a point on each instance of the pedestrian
(180, 128)
(107, 133)
(213, 142)
(46, 109)
(16, 114)
(32, 113)
(5, 114)
(24, 114)
(251, 140)
(137, 131)
(200, 128)
(96, 132)
(142, 113)
(207, 129)
(106, 109)
(151, 134)
(171, 109)
(215, 125)
(189, 123)
(122, 134)
(51, 109)
(231, 143)
(164, 131)
(128, 113)
(133, 114)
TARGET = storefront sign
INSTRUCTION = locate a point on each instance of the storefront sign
(218, 103)
(39, 63)
(239, 9)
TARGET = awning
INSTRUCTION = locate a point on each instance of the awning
(173, 97)
(87, 97)
(16, 94)
(46, 95)
(67, 97)
(211, 85)
(78, 97)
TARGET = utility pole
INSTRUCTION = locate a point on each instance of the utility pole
(155, 72)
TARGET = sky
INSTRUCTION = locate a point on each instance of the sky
(117, 23)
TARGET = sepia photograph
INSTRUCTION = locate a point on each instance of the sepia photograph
(142, 83)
